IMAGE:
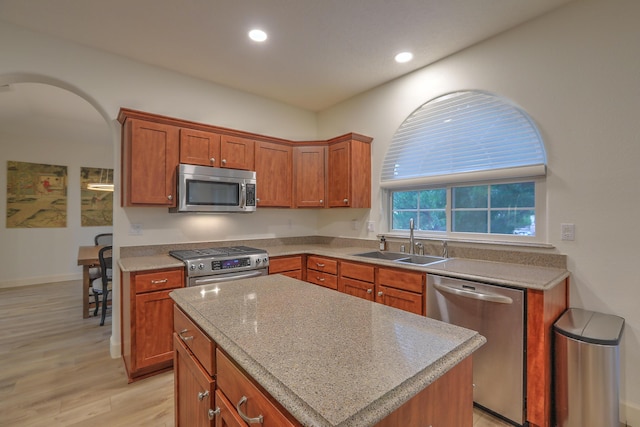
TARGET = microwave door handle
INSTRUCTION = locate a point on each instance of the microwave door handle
(243, 195)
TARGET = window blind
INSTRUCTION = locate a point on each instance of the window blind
(461, 137)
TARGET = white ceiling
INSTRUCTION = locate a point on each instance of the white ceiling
(319, 52)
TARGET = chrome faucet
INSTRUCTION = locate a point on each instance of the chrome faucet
(412, 249)
(445, 249)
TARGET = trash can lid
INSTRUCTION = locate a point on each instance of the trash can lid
(590, 326)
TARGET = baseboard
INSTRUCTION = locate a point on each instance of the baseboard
(629, 414)
(39, 280)
(115, 348)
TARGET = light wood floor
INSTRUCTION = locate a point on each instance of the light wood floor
(55, 368)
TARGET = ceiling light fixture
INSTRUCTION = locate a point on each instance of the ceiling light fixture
(404, 57)
(257, 35)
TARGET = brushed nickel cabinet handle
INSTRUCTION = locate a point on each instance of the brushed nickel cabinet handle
(320, 279)
(319, 265)
(224, 161)
(369, 291)
(346, 200)
(213, 160)
(182, 337)
(170, 197)
(379, 294)
(158, 282)
(256, 420)
(202, 395)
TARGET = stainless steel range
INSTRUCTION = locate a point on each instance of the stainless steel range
(214, 265)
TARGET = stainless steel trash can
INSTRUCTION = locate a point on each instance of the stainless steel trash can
(587, 369)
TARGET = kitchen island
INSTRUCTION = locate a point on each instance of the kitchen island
(330, 359)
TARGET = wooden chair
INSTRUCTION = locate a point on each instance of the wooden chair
(102, 285)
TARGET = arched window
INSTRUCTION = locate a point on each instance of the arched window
(465, 162)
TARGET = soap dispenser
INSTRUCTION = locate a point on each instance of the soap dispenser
(383, 244)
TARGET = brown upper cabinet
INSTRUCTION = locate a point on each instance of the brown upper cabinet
(274, 174)
(310, 163)
(237, 153)
(149, 161)
(317, 174)
(349, 173)
(199, 148)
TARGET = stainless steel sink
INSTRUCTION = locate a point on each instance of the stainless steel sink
(402, 257)
(420, 259)
(389, 256)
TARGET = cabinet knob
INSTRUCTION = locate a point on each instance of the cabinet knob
(170, 197)
(224, 161)
(202, 395)
(346, 201)
(321, 201)
(257, 200)
(212, 414)
(213, 160)
(369, 291)
(380, 293)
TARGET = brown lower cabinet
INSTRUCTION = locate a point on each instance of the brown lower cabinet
(290, 266)
(147, 320)
(228, 397)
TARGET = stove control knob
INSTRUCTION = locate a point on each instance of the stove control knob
(201, 266)
(258, 261)
(266, 260)
(192, 267)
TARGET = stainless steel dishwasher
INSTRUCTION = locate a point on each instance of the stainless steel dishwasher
(497, 313)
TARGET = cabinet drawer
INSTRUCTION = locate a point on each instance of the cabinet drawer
(279, 265)
(399, 279)
(158, 280)
(323, 279)
(357, 271)
(199, 344)
(235, 385)
(322, 264)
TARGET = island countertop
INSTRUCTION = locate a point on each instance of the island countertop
(329, 358)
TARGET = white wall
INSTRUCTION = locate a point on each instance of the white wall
(38, 255)
(577, 73)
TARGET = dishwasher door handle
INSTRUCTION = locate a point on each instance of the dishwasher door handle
(501, 299)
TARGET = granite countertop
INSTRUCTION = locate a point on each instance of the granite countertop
(329, 358)
(499, 273)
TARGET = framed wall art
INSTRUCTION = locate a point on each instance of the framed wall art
(36, 195)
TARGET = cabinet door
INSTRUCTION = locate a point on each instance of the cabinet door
(194, 390)
(150, 159)
(237, 153)
(199, 148)
(349, 174)
(310, 176)
(339, 183)
(407, 301)
(356, 288)
(274, 172)
(228, 417)
(153, 328)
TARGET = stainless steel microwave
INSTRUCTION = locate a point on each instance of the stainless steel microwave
(209, 189)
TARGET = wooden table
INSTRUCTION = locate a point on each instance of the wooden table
(87, 258)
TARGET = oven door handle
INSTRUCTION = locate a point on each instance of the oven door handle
(474, 294)
(227, 278)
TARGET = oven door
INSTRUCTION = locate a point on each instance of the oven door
(226, 277)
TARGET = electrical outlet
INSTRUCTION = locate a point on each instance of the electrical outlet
(371, 226)
(568, 232)
(135, 230)
(354, 224)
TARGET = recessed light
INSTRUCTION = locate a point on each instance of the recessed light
(257, 35)
(404, 57)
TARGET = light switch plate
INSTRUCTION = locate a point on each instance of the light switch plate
(135, 230)
(568, 232)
